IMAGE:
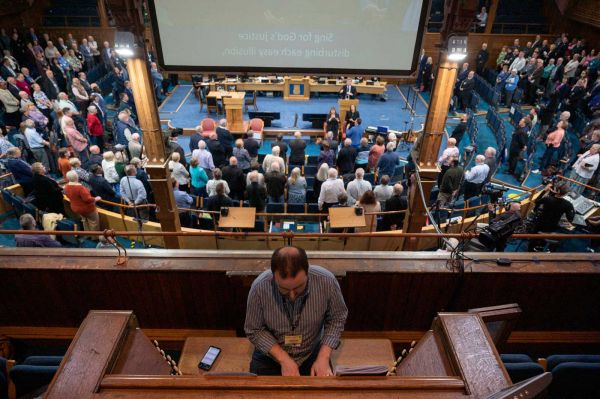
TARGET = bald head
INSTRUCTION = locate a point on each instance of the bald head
(398, 189)
(451, 142)
(480, 159)
(233, 161)
(289, 262)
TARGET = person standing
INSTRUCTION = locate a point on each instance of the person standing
(297, 150)
(482, 58)
(82, 202)
(518, 144)
(584, 168)
(294, 317)
(510, 86)
(550, 206)
(450, 153)
(475, 177)
(553, 142)
(465, 91)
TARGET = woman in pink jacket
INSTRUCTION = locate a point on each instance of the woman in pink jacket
(76, 139)
(553, 142)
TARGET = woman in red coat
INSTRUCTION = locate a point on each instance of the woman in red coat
(95, 127)
(82, 202)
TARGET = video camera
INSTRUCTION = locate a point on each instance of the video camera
(499, 230)
(494, 192)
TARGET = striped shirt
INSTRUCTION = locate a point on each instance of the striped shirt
(319, 312)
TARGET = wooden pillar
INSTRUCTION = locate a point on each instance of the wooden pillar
(102, 14)
(428, 148)
(491, 16)
(157, 166)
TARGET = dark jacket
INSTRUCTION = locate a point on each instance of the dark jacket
(451, 180)
(226, 140)
(103, 189)
(216, 202)
(518, 141)
(275, 182)
(346, 158)
(283, 148)
(48, 194)
(218, 152)
(256, 195)
(236, 180)
(194, 140)
(297, 154)
(394, 203)
(252, 146)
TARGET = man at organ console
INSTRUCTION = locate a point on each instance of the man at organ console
(295, 317)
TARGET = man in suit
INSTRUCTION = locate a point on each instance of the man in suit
(397, 202)
(298, 147)
(196, 138)
(482, 59)
(283, 147)
(106, 55)
(346, 158)
(348, 91)
(465, 91)
(235, 178)
(50, 85)
(6, 69)
(225, 137)
(217, 150)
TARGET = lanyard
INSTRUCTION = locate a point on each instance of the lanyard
(289, 313)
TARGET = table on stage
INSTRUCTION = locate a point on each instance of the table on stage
(236, 354)
(226, 94)
(238, 218)
(277, 85)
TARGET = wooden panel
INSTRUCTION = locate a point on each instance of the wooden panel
(427, 358)
(89, 357)
(139, 356)
(466, 338)
(208, 289)
(234, 357)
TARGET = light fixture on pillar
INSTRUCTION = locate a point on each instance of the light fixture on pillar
(457, 48)
(125, 44)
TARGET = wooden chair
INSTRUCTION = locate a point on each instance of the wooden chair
(250, 101)
(202, 98)
(212, 104)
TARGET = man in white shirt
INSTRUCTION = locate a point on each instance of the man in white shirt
(584, 168)
(330, 190)
(357, 187)
(451, 152)
(64, 102)
(272, 158)
(475, 177)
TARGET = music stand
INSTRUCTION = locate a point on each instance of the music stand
(238, 218)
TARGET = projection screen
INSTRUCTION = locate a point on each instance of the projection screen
(322, 36)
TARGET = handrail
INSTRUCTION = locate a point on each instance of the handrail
(287, 214)
(209, 233)
(576, 182)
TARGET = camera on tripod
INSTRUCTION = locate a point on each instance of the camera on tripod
(494, 192)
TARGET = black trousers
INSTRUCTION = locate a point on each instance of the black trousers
(472, 190)
(262, 364)
(513, 159)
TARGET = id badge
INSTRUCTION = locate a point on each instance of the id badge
(293, 340)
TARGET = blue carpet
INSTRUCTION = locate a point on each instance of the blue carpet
(373, 112)
(178, 95)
